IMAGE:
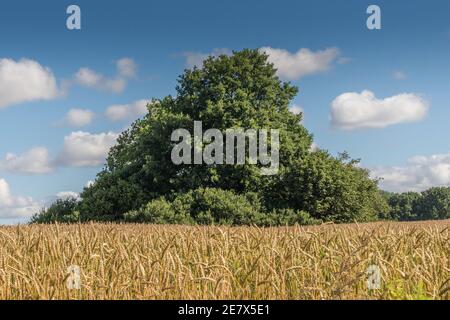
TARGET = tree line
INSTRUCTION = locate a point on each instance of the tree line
(430, 204)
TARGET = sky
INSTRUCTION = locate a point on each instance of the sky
(383, 95)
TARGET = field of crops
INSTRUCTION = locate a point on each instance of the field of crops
(177, 262)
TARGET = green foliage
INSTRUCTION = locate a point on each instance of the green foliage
(109, 197)
(430, 204)
(62, 210)
(402, 206)
(206, 206)
(433, 204)
(288, 217)
(200, 206)
(329, 189)
(241, 90)
(160, 211)
(217, 206)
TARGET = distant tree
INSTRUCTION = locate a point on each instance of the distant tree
(433, 204)
(402, 206)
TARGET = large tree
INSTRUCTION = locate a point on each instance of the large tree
(237, 91)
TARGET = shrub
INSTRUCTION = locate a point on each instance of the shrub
(200, 206)
(288, 217)
(217, 206)
(329, 189)
(159, 211)
(206, 206)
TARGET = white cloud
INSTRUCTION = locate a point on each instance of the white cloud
(85, 149)
(34, 161)
(293, 66)
(25, 80)
(296, 109)
(420, 173)
(399, 75)
(352, 110)
(80, 149)
(79, 117)
(67, 195)
(195, 59)
(14, 206)
(89, 78)
(129, 111)
(126, 68)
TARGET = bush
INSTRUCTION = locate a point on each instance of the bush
(329, 189)
(207, 206)
(200, 206)
(159, 211)
(288, 217)
(217, 206)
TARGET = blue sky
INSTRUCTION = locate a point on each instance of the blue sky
(389, 87)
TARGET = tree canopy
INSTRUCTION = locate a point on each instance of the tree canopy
(431, 204)
(237, 91)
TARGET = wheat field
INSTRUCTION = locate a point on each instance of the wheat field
(183, 262)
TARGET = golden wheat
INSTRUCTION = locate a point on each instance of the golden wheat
(181, 262)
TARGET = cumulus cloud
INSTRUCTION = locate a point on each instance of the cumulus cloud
(34, 161)
(420, 173)
(15, 206)
(85, 149)
(293, 66)
(126, 68)
(352, 110)
(89, 78)
(195, 59)
(80, 149)
(129, 111)
(68, 195)
(25, 80)
(79, 117)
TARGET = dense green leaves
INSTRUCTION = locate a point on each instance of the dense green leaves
(329, 189)
(402, 206)
(62, 210)
(433, 204)
(430, 204)
(207, 206)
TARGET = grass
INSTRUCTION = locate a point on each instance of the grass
(177, 262)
